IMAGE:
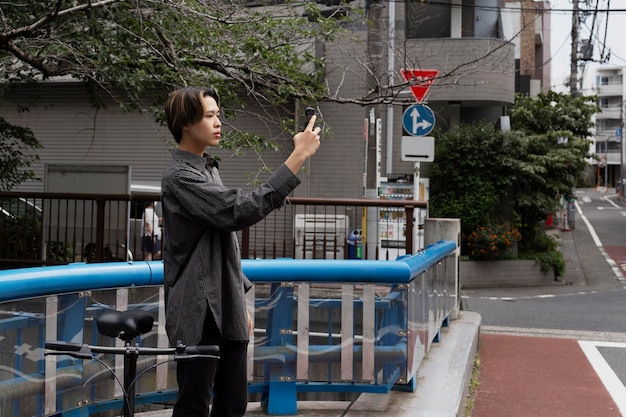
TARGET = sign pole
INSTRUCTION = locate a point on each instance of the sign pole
(416, 212)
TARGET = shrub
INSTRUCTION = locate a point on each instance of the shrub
(491, 242)
(20, 238)
(545, 251)
(551, 260)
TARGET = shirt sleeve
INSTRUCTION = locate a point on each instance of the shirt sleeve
(211, 203)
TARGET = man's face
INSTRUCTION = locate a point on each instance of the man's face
(207, 131)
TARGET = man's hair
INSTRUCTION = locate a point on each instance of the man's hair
(185, 107)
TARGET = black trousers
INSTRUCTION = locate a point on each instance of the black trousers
(226, 378)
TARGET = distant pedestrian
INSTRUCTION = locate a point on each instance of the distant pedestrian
(151, 239)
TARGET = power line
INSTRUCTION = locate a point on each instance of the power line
(498, 8)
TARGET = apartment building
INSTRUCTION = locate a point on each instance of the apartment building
(484, 50)
(611, 92)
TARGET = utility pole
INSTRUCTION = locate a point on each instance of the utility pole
(375, 51)
(376, 71)
(573, 78)
(620, 137)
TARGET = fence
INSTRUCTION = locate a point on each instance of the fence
(320, 326)
(55, 228)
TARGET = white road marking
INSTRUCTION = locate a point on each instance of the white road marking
(595, 237)
(610, 201)
(611, 381)
(616, 270)
(588, 335)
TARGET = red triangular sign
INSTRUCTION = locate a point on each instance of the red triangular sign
(419, 81)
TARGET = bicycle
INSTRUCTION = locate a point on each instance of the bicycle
(127, 325)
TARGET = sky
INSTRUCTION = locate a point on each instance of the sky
(561, 22)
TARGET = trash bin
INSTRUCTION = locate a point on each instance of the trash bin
(355, 245)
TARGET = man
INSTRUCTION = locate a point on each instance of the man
(204, 284)
(151, 239)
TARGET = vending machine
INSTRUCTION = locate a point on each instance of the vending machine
(392, 220)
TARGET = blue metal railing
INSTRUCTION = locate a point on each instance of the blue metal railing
(320, 326)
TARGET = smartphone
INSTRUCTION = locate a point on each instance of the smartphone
(310, 111)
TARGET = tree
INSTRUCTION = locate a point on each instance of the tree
(470, 174)
(483, 175)
(125, 49)
(17, 145)
(552, 112)
(557, 127)
(137, 51)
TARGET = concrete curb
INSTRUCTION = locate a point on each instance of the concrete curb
(445, 374)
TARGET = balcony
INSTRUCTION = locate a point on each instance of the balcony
(472, 69)
(610, 112)
(610, 90)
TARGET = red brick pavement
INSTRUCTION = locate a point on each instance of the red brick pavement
(538, 377)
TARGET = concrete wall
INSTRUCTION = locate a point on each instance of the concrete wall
(507, 273)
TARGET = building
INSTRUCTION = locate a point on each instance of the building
(484, 51)
(610, 89)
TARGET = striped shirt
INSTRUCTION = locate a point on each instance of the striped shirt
(202, 262)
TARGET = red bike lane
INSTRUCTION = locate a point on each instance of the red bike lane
(618, 255)
(522, 376)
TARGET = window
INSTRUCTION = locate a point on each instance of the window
(425, 19)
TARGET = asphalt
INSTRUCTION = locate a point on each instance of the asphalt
(543, 372)
(518, 374)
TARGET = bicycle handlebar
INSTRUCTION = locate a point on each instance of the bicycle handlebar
(85, 351)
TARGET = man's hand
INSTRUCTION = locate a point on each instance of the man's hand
(306, 144)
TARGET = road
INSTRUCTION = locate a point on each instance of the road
(589, 307)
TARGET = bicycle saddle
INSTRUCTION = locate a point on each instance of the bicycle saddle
(124, 324)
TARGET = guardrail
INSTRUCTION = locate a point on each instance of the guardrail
(39, 228)
(338, 326)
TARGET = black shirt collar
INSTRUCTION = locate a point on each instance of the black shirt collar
(199, 162)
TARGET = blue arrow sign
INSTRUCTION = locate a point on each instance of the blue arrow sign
(418, 120)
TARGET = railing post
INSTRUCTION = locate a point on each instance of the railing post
(100, 205)
(281, 398)
(409, 210)
(347, 332)
(50, 385)
(369, 333)
(302, 358)
(447, 229)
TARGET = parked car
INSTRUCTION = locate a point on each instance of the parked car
(20, 217)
